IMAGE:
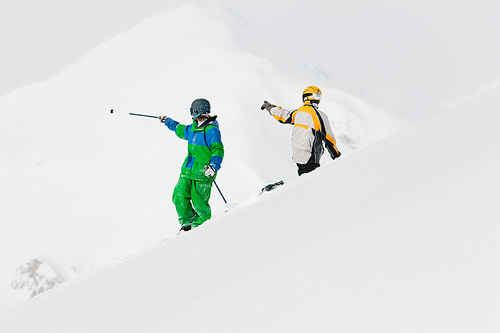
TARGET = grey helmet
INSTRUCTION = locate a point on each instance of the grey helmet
(200, 107)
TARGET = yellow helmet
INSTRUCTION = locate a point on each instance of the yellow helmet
(312, 94)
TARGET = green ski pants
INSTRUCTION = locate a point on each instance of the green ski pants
(191, 201)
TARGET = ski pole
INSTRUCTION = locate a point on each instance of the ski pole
(143, 115)
(138, 114)
(221, 193)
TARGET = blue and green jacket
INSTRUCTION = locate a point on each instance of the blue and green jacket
(204, 147)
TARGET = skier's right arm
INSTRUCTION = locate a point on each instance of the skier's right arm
(282, 115)
(176, 127)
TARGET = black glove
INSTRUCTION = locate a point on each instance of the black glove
(267, 106)
(163, 119)
(336, 153)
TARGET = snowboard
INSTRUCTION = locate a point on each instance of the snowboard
(271, 187)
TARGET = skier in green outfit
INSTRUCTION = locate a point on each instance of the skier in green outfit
(205, 154)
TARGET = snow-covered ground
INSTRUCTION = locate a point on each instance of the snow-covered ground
(81, 186)
(399, 234)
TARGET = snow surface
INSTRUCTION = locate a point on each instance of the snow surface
(399, 234)
(83, 186)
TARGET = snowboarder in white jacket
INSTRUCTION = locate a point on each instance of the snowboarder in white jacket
(311, 128)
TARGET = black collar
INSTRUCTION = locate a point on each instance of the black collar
(208, 121)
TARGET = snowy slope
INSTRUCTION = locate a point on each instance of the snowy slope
(401, 236)
(81, 186)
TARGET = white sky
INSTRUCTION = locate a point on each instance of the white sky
(409, 52)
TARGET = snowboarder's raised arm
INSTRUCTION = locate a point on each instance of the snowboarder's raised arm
(282, 115)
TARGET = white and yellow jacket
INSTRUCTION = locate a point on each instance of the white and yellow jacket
(311, 127)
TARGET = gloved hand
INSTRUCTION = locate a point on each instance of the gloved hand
(163, 119)
(267, 106)
(336, 153)
(209, 171)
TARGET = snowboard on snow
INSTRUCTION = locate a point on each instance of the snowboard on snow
(271, 187)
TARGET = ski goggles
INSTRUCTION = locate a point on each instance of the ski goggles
(312, 96)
